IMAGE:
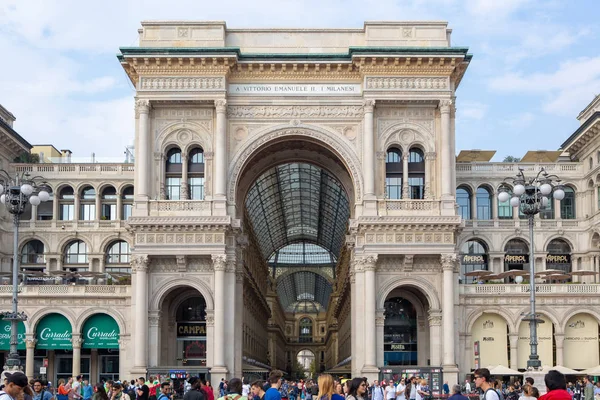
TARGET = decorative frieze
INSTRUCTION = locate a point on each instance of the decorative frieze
(180, 238)
(407, 237)
(179, 114)
(181, 83)
(404, 83)
(294, 112)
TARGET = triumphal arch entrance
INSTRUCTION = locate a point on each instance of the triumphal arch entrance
(294, 199)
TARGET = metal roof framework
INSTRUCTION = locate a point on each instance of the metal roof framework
(299, 213)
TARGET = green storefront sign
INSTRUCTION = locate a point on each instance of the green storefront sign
(5, 335)
(54, 332)
(100, 331)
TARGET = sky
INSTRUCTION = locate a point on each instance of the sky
(536, 63)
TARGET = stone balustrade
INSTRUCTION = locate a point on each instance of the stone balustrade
(524, 289)
(67, 291)
(64, 171)
(502, 170)
(180, 207)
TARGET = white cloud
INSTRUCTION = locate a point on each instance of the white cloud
(519, 121)
(471, 110)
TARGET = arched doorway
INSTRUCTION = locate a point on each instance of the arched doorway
(580, 346)
(400, 332)
(489, 333)
(306, 361)
(294, 197)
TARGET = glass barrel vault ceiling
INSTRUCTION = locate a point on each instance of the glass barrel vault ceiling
(299, 213)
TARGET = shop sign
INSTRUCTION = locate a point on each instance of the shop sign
(479, 259)
(54, 332)
(5, 332)
(186, 329)
(400, 347)
(100, 331)
(516, 258)
(558, 259)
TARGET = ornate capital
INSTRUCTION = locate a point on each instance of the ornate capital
(230, 265)
(142, 106)
(208, 155)
(431, 155)
(139, 263)
(219, 262)
(77, 342)
(435, 317)
(210, 318)
(366, 263)
(352, 276)
(30, 343)
(154, 318)
(448, 261)
(369, 105)
(239, 277)
(221, 105)
(445, 106)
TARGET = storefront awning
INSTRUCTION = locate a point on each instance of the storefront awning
(100, 331)
(5, 332)
(54, 332)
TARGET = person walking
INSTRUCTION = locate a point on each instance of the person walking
(456, 394)
(401, 390)
(390, 390)
(235, 390)
(39, 393)
(195, 393)
(100, 392)
(588, 393)
(482, 381)
(165, 391)
(357, 389)
(326, 388)
(556, 386)
(87, 390)
(275, 381)
(256, 388)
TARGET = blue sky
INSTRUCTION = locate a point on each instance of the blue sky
(536, 64)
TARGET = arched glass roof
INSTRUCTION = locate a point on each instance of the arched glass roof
(302, 253)
(302, 288)
(298, 202)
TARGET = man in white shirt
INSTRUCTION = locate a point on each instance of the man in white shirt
(482, 381)
(377, 393)
(467, 386)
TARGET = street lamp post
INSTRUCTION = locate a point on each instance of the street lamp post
(15, 193)
(531, 196)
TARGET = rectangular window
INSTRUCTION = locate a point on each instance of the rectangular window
(87, 212)
(415, 187)
(109, 212)
(67, 212)
(196, 186)
(567, 207)
(393, 188)
(173, 188)
(127, 209)
(505, 211)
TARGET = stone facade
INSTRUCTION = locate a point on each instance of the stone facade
(337, 99)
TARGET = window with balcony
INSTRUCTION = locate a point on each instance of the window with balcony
(505, 210)
(173, 174)
(32, 254)
(109, 203)
(87, 207)
(416, 174)
(196, 174)
(484, 203)
(67, 204)
(567, 205)
(305, 335)
(76, 253)
(473, 256)
(463, 199)
(516, 255)
(393, 174)
(127, 198)
(118, 255)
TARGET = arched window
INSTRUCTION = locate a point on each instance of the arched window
(173, 174)
(400, 339)
(505, 210)
(118, 256)
(67, 204)
(463, 199)
(127, 198)
(484, 204)
(32, 253)
(87, 206)
(191, 332)
(516, 255)
(393, 174)
(109, 203)
(76, 253)
(473, 256)
(196, 174)
(416, 173)
(567, 205)
(559, 255)
(306, 330)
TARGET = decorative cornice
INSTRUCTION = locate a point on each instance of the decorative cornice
(181, 83)
(408, 83)
(295, 111)
(195, 223)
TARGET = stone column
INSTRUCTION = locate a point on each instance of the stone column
(405, 193)
(369, 150)
(210, 337)
(353, 304)
(184, 177)
(435, 336)
(474, 205)
(221, 150)
(98, 209)
(557, 211)
(77, 342)
(34, 213)
(380, 325)
(449, 262)
(494, 213)
(219, 370)
(238, 320)
(139, 267)
(55, 201)
(154, 337)
(370, 350)
(429, 178)
(559, 338)
(119, 215)
(30, 343)
(145, 141)
(76, 207)
(514, 341)
(447, 156)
